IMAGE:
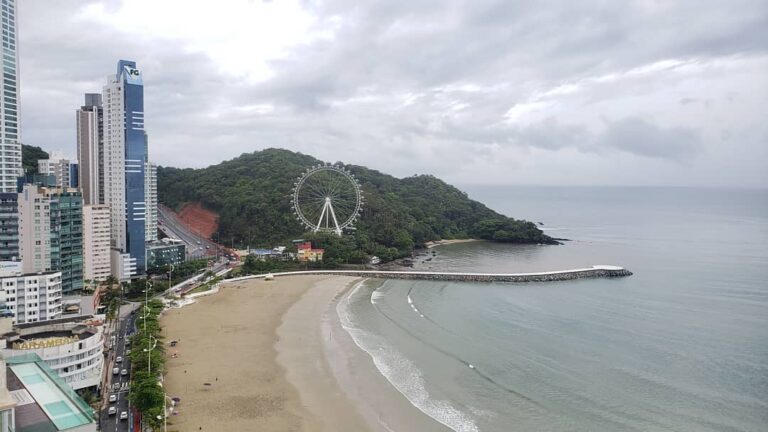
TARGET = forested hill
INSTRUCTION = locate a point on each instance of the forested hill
(252, 193)
(29, 157)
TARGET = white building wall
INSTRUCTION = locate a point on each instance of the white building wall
(150, 198)
(123, 265)
(78, 363)
(96, 243)
(114, 159)
(34, 229)
(32, 298)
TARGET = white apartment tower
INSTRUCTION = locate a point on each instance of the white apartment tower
(96, 234)
(10, 144)
(114, 159)
(150, 196)
(34, 229)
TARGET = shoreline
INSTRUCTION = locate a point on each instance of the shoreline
(276, 358)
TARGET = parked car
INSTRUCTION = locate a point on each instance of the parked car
(116, 386)
(127, 352)
(112, 411)
(115, 371)
(124, 415)
(124, 372)
(119, 359)
(112, 398)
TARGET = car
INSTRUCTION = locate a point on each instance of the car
(112, 398)
(124, 415)
(112, 411)
(127, 342)
(119, 359)
(124, 372)
(208, 247)
(127, 352)
(198, 242)
(115, 371)
(116, 386)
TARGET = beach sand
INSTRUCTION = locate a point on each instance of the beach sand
(277, 359)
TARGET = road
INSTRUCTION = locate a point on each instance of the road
(197, 246)
(118, 340)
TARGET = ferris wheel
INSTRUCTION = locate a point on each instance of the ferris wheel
(327, 198)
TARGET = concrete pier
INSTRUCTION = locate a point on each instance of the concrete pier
(598, 271)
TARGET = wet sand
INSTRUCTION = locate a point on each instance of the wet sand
(277, 359)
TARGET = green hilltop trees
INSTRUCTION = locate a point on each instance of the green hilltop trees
(251, 194)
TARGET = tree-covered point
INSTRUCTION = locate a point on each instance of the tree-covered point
(252, 195)
(29, 157)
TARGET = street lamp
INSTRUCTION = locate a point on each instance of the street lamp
(170, 277)
(149, 355)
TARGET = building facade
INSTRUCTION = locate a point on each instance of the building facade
(96, 246)
(164, 254)
(35, 229)
(123, 265)
(72, 348)
(124, 158)
(9, 226)
(57, 166)
(51, 233)
(10, 144)
(67, 238)
(30, 297)
(90, 149)
(150, 193)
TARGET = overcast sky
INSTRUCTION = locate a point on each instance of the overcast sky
(478, 91)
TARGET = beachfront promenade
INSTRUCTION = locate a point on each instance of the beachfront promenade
(598, 271)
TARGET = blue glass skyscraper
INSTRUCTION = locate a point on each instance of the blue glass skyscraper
(135, 156)
(124, 154)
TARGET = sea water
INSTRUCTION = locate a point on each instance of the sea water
(681, 345)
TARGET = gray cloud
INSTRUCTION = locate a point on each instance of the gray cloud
(637, 136)
(427, 86)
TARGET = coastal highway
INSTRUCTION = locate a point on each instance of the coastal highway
(197, 246)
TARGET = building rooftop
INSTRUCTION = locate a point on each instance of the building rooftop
(44, 402)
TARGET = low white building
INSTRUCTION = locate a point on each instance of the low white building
(29, 297)
(123, 265)
(72, 347)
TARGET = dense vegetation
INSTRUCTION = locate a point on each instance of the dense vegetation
(251, 194)
(147, 365)
(29, 157)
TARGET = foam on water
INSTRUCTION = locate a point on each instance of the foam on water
(401, 372)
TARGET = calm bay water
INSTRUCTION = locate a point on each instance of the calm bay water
(680, 346)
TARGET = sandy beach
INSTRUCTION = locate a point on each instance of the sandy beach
(431, 244)
(277, 359)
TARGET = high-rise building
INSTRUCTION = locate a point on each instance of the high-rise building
(10, 144)
(90, 149)
(124, 158)
(59, 167)
(51, 233)
(9, 226)
(67, 239)
(96, 251)
(35, 229)
(150, 193)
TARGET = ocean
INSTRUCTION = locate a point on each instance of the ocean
(682, 345)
